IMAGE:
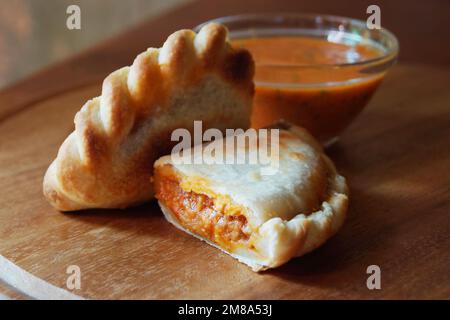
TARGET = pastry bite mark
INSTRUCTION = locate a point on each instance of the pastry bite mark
(261, 220)
(107, 162)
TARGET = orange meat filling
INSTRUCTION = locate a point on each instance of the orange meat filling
(198, 213)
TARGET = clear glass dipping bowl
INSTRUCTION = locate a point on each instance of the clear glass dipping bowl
(322, 97)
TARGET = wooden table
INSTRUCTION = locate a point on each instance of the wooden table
(396, 157)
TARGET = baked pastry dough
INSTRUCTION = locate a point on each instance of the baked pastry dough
(107, 162)
(263, 220)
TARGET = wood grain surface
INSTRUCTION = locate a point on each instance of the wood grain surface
(396, 157)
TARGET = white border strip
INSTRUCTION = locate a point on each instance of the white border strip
(31, 285)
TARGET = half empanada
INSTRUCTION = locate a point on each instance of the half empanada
(262, 218)
(107, 162)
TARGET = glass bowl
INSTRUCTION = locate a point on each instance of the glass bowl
(316, 71)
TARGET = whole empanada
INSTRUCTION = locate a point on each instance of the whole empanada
(107, 162)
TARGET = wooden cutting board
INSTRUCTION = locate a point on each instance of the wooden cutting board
(396, 157)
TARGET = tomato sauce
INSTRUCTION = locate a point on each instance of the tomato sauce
(295, 81)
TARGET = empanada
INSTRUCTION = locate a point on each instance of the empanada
(262, 219)
(107, 162)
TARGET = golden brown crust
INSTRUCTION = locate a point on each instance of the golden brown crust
(107, 161)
